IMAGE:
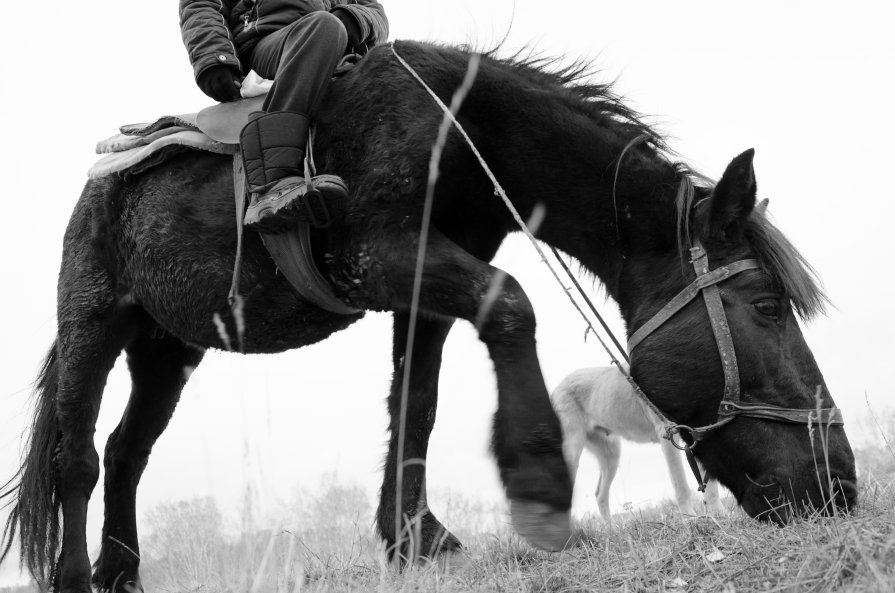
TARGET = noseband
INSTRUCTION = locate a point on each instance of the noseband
(731, 405)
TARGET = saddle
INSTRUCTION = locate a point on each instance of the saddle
(216, 129)
(222, 122)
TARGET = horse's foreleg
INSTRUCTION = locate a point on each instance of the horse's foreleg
(409, 492)
(527, 440)
(159, 369)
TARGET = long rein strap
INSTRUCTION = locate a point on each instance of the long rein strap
(498, 189)
(667, 425)
(669, 428)
(706, 283)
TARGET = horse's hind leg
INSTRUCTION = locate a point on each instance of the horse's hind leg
(422, 398)
(92, 330)
(159, 369)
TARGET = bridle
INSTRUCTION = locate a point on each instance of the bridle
(731, 406)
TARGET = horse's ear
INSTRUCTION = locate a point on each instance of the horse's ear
(734, 196)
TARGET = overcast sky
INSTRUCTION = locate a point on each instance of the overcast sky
(804, 83)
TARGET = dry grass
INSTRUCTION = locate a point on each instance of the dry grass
(330, 547)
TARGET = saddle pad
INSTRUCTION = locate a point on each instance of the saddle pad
(138, 157)
(186, 120)
(122, 142)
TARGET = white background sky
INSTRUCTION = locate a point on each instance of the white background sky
(808, 84)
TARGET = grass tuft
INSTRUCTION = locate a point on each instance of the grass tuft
(327, 544)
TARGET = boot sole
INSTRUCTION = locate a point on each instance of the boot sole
(280, 213)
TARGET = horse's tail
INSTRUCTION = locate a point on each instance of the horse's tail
(32, 491)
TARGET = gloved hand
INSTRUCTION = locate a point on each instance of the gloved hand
(221, 83)
(351, 26)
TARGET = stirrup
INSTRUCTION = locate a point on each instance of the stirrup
(316, 201)
(312, 199)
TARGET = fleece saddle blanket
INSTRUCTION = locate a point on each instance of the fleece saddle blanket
(138, 147)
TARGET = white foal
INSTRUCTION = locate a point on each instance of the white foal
(597, 408)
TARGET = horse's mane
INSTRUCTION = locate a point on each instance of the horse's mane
(573, 83)
(775, 253)
(778, 256)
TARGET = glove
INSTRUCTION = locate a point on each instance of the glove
(352, 27)
(221, 83)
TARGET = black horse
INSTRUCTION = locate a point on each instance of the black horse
(147, 264)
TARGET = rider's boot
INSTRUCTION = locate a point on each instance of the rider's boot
(282, 189)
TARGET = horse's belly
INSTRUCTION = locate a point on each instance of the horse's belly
(267, 321)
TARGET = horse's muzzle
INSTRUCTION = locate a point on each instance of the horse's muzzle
(776, 500)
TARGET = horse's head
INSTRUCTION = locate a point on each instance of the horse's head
(774, 467)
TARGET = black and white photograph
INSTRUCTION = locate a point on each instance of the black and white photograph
(469, 296)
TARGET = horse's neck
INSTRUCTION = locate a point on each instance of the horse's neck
(597, 211)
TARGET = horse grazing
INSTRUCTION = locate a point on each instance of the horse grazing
(147, 264)
(597, 408)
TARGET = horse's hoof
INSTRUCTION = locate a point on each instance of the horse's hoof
(452, 561)
(542, 525)
(436, 542)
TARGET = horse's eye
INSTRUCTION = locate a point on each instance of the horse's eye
(768, 308)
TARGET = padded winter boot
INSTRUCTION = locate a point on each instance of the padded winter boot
(282, 189)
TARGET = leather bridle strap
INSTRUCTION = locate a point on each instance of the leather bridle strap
(731, 405)
(822, 416)
(704, 279)
(712, 296)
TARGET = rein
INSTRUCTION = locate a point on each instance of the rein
(498, 190)
(706, 283)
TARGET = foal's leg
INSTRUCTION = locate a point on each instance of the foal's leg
(159, 369)
(527, 436)
(422, 398)
(574, 435)
(712, 495)
(608, 449)
(683, 495)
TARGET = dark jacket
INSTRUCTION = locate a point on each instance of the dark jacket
(225, 31)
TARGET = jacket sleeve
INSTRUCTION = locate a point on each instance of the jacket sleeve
(204, 26)
(370, 16)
